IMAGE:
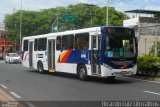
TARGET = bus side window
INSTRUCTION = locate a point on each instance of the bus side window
(82, 41)
(42, 43)
(25, 45)
(94, 42)
(67, 42)
(58, 43)
(35, 44)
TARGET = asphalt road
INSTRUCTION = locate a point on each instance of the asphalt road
(27, 85)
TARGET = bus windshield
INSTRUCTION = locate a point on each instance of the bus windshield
(120, 47)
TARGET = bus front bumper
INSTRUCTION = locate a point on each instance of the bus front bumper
(106, 71)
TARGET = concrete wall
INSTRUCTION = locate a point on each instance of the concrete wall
(145, 28)
(131, 22)
(145, 43)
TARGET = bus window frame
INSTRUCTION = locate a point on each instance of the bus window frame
(78, 43)
(24, 49)
(45, 45)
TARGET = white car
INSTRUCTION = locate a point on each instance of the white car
(12, 58)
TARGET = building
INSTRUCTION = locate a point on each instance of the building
(147, 28)
(6, 46)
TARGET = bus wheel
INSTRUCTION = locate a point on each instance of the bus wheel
(82, 72)
(40, 68)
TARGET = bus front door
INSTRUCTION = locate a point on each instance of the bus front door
(95, 55)
(51, 54)
(31, 54)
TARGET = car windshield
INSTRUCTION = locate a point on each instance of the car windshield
(118, 47)
(14, 55)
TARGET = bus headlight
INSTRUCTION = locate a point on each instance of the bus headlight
(107, 66)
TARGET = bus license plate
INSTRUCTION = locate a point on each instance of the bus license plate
(123, 72)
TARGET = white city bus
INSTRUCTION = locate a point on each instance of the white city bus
(98, 51)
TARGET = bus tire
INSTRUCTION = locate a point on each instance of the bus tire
(82, 72)
(40, 67)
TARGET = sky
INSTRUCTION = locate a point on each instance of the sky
(11, 6)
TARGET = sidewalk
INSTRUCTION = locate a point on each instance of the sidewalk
(7, 101)
(155, 79)
(5, 97)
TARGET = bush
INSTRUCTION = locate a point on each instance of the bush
(148, 65)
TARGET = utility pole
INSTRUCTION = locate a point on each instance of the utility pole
(107, 12)
(145, 46)
(156, 38)
(14, 40)
(91, 12)
(56, 20)
(20, 32)
(91, 15)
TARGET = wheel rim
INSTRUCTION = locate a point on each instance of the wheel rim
(82, 73)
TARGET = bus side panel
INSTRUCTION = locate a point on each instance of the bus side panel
(45, 61)
(66, 67)
(40, 56)
(89, 72)
(35, 60)
(71, 68)
(25, 59)
(68, 60)
(74, 56)
(57, 65)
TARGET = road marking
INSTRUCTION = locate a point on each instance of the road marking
(4, 86)
(152, 92)
(142, 80)
(15, 95)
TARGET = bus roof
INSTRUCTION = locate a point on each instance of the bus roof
(94, 29)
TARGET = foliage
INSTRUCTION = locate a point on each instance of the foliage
(40, 22)
(148, 65)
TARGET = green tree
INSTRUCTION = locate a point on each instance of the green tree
(40, 22)
(152, 50)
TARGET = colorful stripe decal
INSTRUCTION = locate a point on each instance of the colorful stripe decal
(25, 57)
(64, 56)
(124, 66)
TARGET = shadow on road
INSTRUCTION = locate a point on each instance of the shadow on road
(90, 79)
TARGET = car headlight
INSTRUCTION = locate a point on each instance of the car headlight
(11, 59)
